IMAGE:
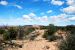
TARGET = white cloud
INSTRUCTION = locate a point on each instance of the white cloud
(56, 19)
(3, 2)
(71, 18)
(26, 18)
(18, 6)
(31, 15)
(62, 19)
(59, 19)
(44, 18)
(57, 2)
(69, 10)
(49, 11)
(59, 16)
(71, 2)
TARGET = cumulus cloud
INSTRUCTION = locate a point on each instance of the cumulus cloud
(29, 17)
(44, 18)
(71, 18)
(57, 2)
(69, 10)
(34, 17)
(56, 19)
(59, 18)
(70, 2)
(26, 18)
(62, 19)
(49, 11)
(3, 2)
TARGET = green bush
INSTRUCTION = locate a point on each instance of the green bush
(69, 44)
(2, 31)
(6, 36)
(12, 33)
(29, 31)
(51, 29)
(49, 34)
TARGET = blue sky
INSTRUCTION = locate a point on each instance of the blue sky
(39, 12)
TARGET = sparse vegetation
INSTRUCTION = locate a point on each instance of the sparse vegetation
(49, 34)
(69, 44)
(11, 33)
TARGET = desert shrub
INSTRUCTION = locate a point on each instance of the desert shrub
(12, 33)
(29, 31)
(44, 27)
(70, 28)
(6, 36)
(49, 34)
(2, 31)
(51, 29)
(69, 44)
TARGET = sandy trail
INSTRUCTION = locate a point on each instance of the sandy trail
(38, 44)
